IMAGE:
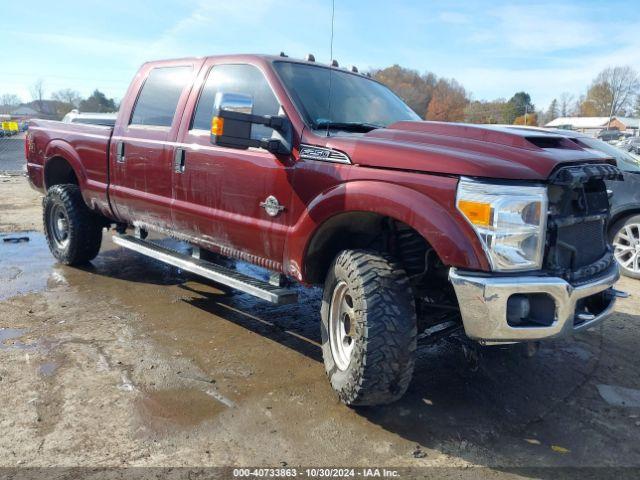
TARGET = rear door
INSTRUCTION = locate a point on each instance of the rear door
(141, 163)
(220, 193)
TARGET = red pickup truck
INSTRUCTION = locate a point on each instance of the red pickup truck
(321, 175)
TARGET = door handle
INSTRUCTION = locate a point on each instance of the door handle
(179, 158)
(120, 152)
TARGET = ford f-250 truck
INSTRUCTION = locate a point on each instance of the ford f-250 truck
(323, 176)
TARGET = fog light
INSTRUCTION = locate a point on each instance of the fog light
(518, 309)
(531, 310)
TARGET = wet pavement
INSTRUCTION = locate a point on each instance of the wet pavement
(25, 265)
(130, 362)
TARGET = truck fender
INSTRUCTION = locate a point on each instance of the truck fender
(450, 236)
(60, 148)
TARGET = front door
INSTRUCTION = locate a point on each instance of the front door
(222, 196)
(140, 158)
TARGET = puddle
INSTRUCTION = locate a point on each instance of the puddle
(116, 263)
(178, 408)
(7, 334)
(48, 369)
(24, 266)
(620, 396)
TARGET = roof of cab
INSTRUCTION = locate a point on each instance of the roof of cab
(257, 56)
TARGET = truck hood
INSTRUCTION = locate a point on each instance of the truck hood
(461, 149)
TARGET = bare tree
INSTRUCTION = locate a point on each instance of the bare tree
(566, 99)
(551, 114)
(625, 84)
(613, 91)
(486, 112)
(67, 95)
(37, 92)
(9, 100)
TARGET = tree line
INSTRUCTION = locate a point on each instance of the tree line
(60, 102)
(615, 91)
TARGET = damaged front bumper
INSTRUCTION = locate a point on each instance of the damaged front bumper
(527, 308)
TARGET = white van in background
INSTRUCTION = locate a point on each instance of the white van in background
(93, 118)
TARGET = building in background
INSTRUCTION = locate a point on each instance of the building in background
(593, 125)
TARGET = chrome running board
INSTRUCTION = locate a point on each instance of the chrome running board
(217, 273)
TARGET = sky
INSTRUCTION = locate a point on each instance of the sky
(493, 48)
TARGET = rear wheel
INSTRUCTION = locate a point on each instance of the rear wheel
(74, 233)
(626, 244)
(368, 328)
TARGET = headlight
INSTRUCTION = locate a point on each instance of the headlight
(510, 221)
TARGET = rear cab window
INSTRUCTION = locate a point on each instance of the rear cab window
(158, 99)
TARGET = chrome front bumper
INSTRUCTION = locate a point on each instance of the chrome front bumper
(483, 305)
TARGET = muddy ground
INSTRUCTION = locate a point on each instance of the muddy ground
(130, 362)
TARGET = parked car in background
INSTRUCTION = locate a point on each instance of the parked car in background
(91, 118)
(608, 135)
(624, 226)
(621, 143)
(632, 145)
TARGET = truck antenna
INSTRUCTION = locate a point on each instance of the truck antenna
(333, 14)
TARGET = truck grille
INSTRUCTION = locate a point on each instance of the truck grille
(577, 248)
(587, 238)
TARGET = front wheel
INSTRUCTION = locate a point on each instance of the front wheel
(368, 328)
(626, 245)
(74, 233)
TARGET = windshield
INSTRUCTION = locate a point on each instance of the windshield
(626, 161)
(355, 100)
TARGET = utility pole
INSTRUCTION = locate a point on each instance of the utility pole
(613, 101)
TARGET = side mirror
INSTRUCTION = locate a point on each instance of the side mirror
(232, 120)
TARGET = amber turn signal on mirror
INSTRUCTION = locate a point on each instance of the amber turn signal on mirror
(217, 125)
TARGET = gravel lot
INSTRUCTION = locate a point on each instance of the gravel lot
(128, 362)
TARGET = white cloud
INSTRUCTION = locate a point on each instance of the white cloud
(455, 18)
(545, 27)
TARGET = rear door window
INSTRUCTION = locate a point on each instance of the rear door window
(244, 79)
(157, 102)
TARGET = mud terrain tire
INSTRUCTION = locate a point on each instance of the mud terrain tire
(377, 312)
(73, 232)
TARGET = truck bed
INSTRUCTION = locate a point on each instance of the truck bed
(85, 148)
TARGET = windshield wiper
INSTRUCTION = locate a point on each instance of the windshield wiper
(348, 126)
